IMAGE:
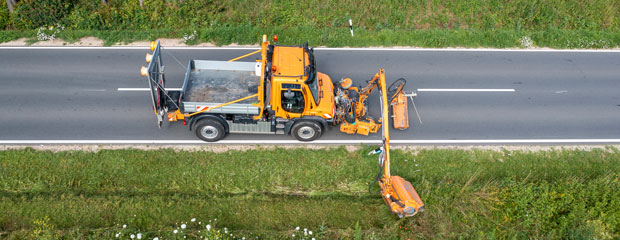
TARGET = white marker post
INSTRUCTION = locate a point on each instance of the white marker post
(351, 26)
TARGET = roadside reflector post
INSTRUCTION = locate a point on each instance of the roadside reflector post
(351, 26)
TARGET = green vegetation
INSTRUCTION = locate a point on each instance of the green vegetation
(559, 194)
(430, 23)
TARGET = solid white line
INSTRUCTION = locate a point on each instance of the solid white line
(256, 142)
(146, 89)
(464, 90)
(333, 49)
(472, 50)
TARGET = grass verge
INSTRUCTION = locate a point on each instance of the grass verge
(555, 194)
(337, 37)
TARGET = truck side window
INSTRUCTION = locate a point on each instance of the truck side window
(292, 101)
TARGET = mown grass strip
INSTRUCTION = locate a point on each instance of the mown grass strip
(267, 193)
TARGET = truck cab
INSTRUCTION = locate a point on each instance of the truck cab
(298, 90)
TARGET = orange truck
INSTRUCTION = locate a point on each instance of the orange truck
(282, 93)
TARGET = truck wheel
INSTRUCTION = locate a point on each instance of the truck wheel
(306, 131)
(210, 130)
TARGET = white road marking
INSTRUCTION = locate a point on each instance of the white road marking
(334, 49)
(93, 90)
(145, 89)
(341, 142)
(464, 90)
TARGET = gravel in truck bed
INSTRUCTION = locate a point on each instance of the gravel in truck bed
(216, 86)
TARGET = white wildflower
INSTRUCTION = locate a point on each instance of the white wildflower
(193, 220)
(139, 236)
(293, 235)
(118, 234)
(526, 42)
(297, 229)
(183, 226)
(155, 238)
(189, 37)
(132, 236)
(310, 232)
(124, 225)
(208, 227)
(175, 231)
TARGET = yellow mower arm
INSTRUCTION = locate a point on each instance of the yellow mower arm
(398, 193)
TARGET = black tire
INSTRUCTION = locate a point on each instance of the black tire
(306, 131)
(210, 130)
(395, 88)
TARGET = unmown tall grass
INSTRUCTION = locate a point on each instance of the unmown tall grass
(268, 193)
(476, 23)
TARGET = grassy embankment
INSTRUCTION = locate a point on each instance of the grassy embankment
(556, 194)
(476, 23)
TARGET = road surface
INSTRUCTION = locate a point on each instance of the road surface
(553, 97)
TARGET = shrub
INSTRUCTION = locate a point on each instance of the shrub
(5, 17)
(31, 14)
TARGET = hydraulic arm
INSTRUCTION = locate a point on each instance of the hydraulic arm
(398, 193)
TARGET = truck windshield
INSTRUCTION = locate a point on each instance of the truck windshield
(312, 81)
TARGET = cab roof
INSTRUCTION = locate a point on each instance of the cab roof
(290, 61)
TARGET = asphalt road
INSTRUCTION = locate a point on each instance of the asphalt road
(71, 94)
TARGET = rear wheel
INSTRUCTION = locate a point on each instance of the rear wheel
(306, 131)
(210, 130)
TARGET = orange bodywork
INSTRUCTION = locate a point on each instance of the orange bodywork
(360, 127)
(398, 193)
(289, 62)
(289, 72)
(400, 112)
(401, 197)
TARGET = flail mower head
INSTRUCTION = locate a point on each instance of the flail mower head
(398, 193)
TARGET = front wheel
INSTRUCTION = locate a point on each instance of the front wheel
(306, 131)
(210, 130)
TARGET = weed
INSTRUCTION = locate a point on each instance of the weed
(472, 194)
(476, 23)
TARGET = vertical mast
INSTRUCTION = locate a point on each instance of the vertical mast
(385, 121)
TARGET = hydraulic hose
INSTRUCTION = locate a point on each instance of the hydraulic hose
(350, 117)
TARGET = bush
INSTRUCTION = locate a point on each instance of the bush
(31, 14)
(128, 15)
(5, 17)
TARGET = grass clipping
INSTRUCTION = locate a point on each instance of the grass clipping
(307, 193)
